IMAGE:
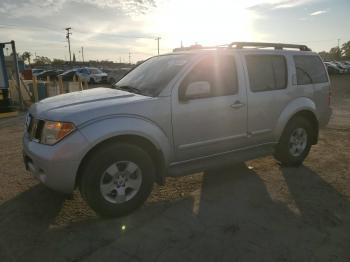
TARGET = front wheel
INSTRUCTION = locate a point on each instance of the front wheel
(117, 179)
(295, 142)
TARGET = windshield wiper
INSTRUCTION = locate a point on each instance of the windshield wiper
(130, 89)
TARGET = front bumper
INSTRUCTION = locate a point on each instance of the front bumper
(55, 166)
(101, 79)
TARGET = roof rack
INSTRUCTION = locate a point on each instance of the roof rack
(240, 45)
(277, 46)
(197, 47)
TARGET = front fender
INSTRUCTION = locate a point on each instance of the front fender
(103, 129)
(292, 108)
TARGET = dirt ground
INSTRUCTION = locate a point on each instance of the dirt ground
(255, 211)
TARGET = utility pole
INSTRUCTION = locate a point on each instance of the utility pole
(18, 83)
(339, 43)
(157, 39)
(129, 57)
(67, 36)
(82, 53)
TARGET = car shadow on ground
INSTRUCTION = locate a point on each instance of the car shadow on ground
(232, 218)
(25, 218)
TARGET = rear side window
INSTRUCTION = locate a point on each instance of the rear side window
(310, 70)
(266, 72)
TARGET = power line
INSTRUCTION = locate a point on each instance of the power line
(78, 31)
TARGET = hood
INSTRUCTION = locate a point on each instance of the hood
(101, 74)
(81, 106)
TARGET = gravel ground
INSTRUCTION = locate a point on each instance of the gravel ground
(254, 211)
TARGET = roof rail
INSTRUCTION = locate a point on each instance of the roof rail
(197, 47)
(277, 46)
(239, 45)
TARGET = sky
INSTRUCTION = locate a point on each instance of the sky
(116, 30)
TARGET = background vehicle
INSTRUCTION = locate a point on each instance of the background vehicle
(114, 75)
(92, 75)
(342, 66)
(334, 69)
(177, 114)
(68, 75)
(36, 71)
(52, 74)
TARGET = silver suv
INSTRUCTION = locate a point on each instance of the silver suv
(176, 114)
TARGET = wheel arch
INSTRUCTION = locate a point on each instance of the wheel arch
(311, 117)
(302, 107)
(144, 143)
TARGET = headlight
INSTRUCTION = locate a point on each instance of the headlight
(55, 131)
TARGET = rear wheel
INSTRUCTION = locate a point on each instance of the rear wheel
(295, 142)
(117, 179)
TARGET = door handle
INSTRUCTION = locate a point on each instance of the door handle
(237, 105)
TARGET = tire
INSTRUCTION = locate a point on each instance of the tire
(92, 81)
(293, 147)
(112, 162)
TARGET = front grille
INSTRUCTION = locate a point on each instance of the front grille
(35, 127)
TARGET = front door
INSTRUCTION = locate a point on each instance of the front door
(213, 121)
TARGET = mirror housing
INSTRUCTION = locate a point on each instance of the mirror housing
(194, 90)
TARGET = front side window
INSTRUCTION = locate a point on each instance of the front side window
(266, 72)
(219, 71)
(310, 70)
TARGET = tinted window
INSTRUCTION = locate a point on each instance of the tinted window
(219, 71)
(309, 70)
(266, 72)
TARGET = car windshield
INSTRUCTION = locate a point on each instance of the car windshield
(150, 77)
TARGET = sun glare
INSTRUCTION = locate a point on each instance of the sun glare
(203, 22)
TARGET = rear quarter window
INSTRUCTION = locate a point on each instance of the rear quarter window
(310, 70)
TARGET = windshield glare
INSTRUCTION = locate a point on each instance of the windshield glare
(150, 77)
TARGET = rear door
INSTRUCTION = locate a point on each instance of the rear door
(268, 93)
(214, 123)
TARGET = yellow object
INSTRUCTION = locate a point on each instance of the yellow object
(8, 114)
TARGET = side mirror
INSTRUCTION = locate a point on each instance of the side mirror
(199, 89)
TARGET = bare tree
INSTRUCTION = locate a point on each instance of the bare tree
(346, 49)
(26, 56)
(335, 53)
